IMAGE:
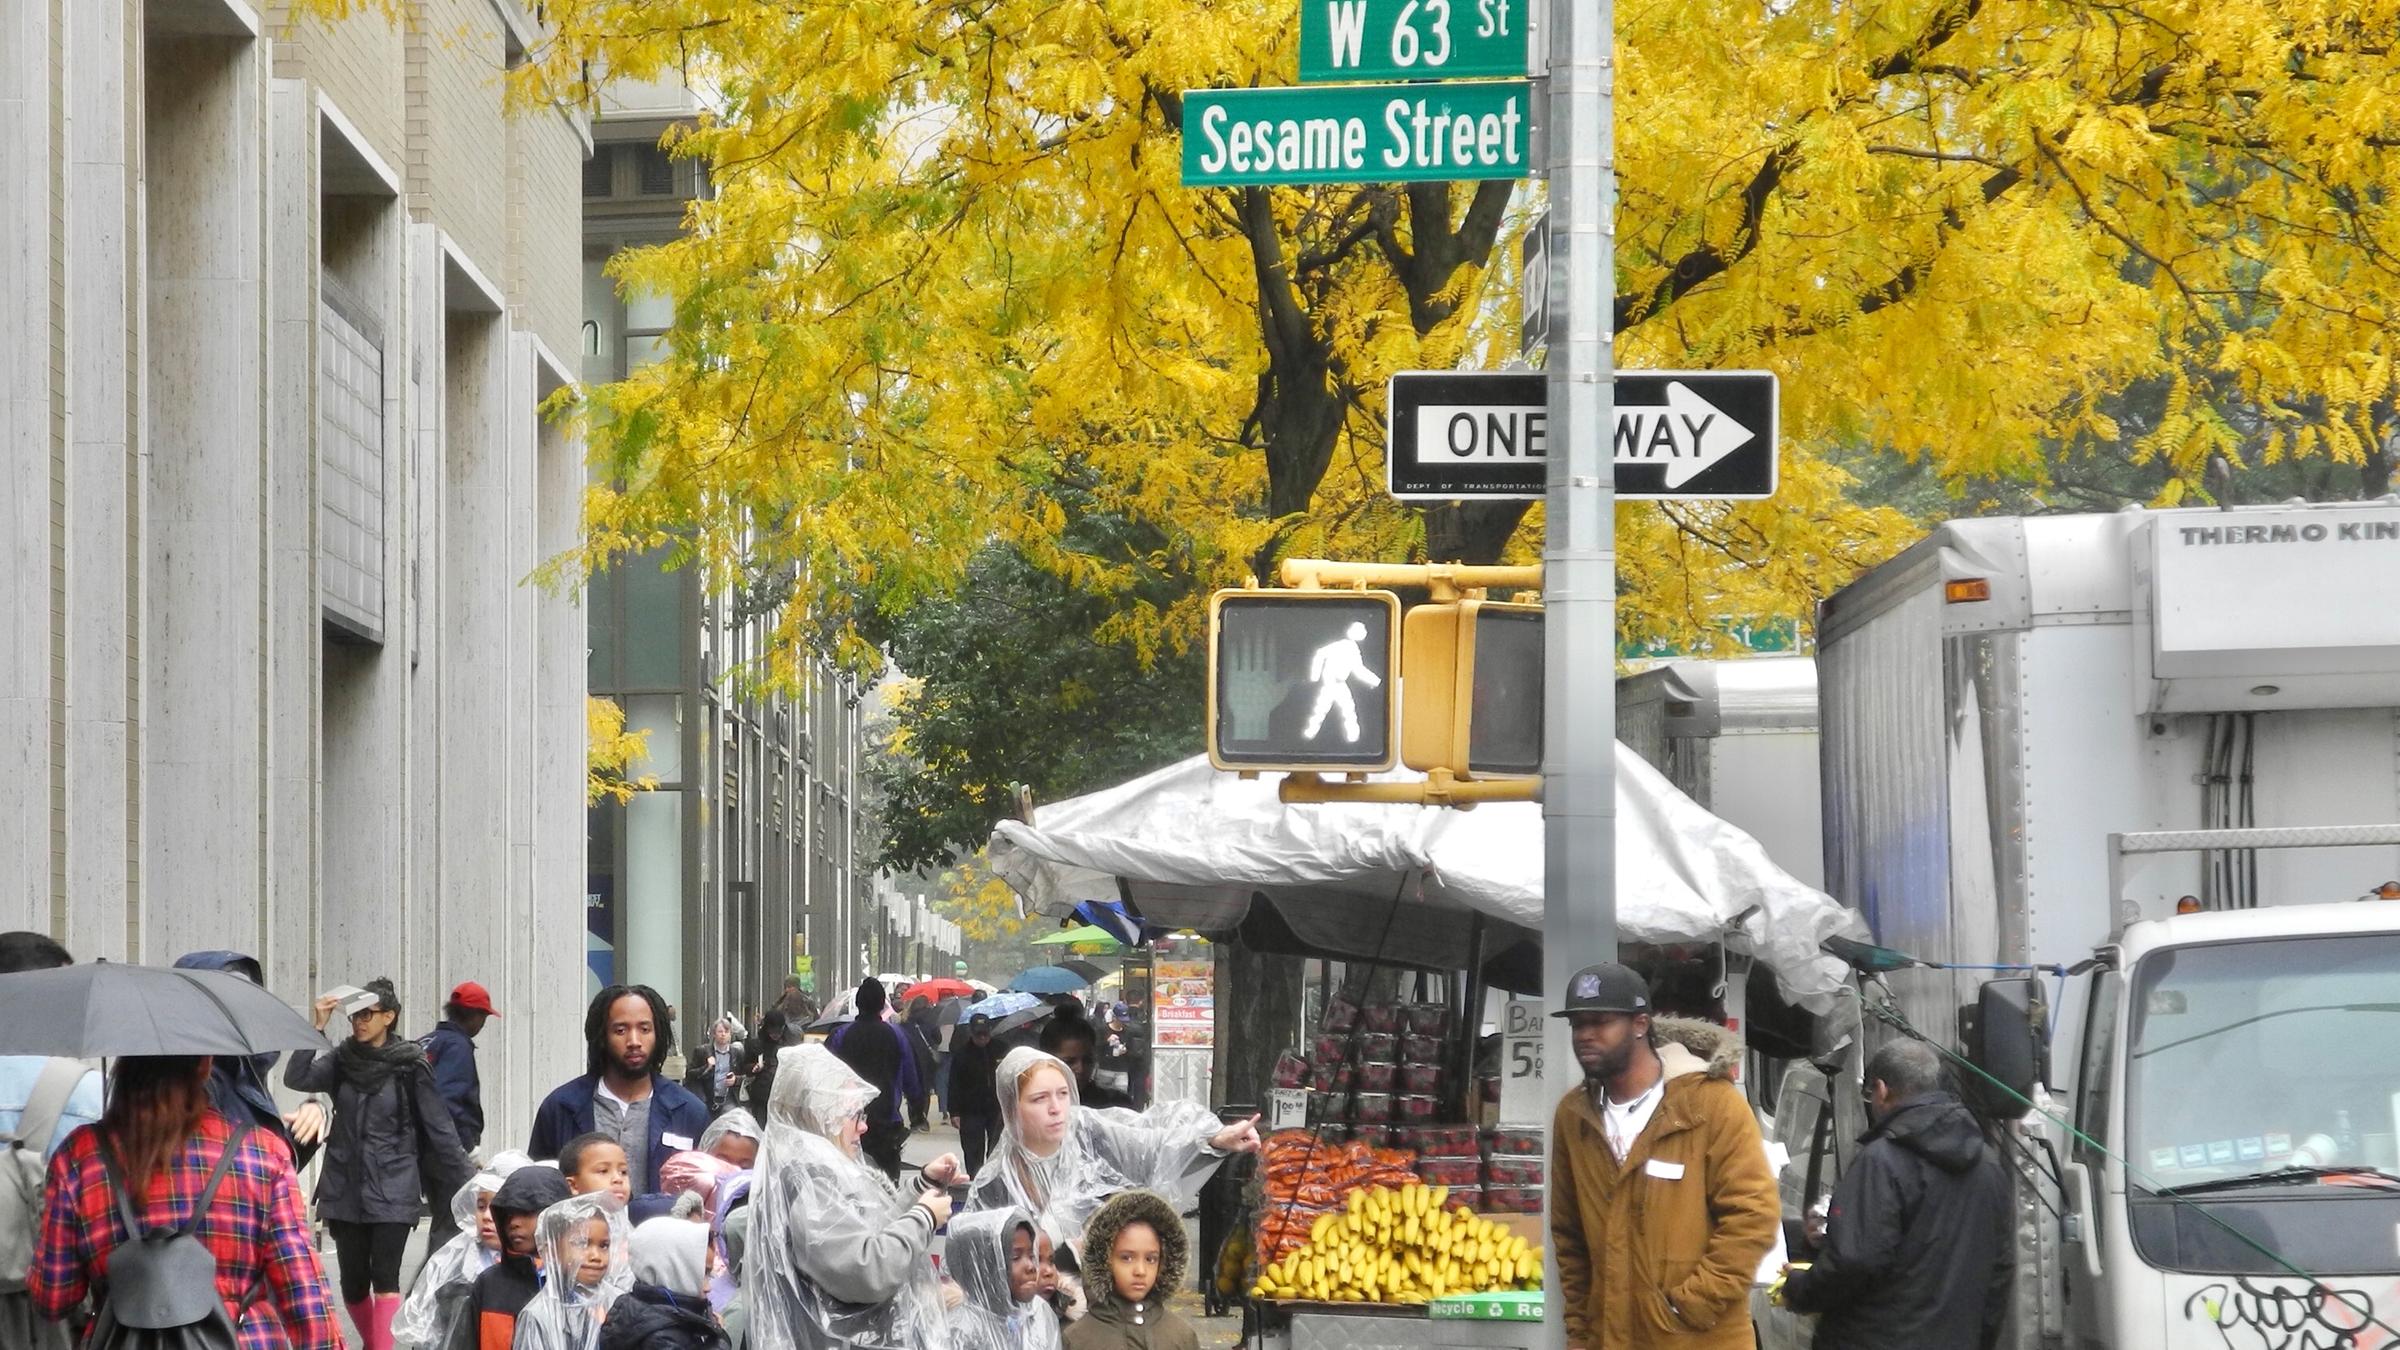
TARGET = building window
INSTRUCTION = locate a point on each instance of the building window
(654, 172)
(599, 172)
(350, 453)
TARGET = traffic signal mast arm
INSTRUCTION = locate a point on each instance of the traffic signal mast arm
(1439, 787)
(1443, 581)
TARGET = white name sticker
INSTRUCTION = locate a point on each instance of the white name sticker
(674, 1140)
(1663, 1170)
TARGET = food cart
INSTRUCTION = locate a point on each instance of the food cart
(1385, 1083)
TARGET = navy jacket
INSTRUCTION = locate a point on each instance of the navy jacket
(451, 1052)
(567, 1112)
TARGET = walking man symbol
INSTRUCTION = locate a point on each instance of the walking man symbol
(1331, 670)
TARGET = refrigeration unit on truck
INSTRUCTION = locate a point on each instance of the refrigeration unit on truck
(2156, 756)
(1740, 738)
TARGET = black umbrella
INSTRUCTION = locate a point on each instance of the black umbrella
(950, 1011)
(105, 1010)
(1086, 969)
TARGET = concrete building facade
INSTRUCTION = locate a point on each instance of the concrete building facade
(280, 299)
(748, 861)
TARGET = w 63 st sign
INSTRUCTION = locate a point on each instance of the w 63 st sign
(1411, 39)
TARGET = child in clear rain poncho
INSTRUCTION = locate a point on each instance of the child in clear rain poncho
(439, 1297)
(1059, 1160)
(587, 1261)
(993, 1254)
(733, 1136)
(838, 1256)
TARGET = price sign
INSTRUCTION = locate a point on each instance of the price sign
(1521, 1032)
(1287, 1108)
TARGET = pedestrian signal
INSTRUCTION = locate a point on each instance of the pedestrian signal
(1473, 692)
(1302, 680)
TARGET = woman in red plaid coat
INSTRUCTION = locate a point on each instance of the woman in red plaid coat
(166, 1141)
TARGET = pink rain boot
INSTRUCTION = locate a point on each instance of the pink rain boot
(385, 1312)
(362, 1316)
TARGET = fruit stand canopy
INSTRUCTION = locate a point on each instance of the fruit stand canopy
(1193, 846)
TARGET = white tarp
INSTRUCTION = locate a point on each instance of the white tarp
(1203, 840)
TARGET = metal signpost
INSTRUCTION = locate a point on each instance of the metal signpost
(1673, 433)
(1579, 548)
(1433, 132)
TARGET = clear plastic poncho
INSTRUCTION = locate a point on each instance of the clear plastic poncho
(439, 1297)
(990, 1318)
(838, 1256)
(566, 1313)
(734, 1121)
(1164, 1149)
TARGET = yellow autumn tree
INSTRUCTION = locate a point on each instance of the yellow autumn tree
(949, 267)
(609, 753)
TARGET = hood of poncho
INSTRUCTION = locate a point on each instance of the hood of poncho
(562, 1235)
(816, 1092)
(977, 1256)
(736, 1122)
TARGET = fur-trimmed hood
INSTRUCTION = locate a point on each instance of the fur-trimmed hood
(1687, 1045)
(1100, 1239)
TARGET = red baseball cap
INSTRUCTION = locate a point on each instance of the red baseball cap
(473, 997)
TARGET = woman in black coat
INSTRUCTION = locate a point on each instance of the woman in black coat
(392, 1143)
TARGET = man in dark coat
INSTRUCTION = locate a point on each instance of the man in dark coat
(880, 1054)
(974, 1094)
(450, 1049)
(1916, 1253)
(622, 1093)
(450, 1053)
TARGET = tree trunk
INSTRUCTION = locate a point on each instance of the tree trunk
(1471, 532)
(1258, 1018)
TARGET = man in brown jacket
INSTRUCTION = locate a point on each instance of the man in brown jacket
(1661, 1204)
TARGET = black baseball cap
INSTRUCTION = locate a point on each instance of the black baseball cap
(1606, 988)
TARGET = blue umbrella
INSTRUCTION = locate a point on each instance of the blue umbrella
(1048, 980)
(997, 1006)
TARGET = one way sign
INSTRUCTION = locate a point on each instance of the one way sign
(1678, 433)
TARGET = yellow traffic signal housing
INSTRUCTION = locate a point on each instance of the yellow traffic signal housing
(1471, 688)
(1303, 680)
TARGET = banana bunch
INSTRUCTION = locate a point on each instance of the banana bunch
(1398, 1245)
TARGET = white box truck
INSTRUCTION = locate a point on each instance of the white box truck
(1739, 737)
(2158, 752)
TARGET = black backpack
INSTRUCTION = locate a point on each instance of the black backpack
(162, 1283)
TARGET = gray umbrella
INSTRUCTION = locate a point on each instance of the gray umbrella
(105, 1011)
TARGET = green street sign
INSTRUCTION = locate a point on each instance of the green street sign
(1411, 39)
(1364, 133)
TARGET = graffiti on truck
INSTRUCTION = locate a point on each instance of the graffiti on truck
(2250, 1316)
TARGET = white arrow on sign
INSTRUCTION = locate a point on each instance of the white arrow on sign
(1688, 434)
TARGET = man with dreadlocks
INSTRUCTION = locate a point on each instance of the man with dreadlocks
(622, 1093)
